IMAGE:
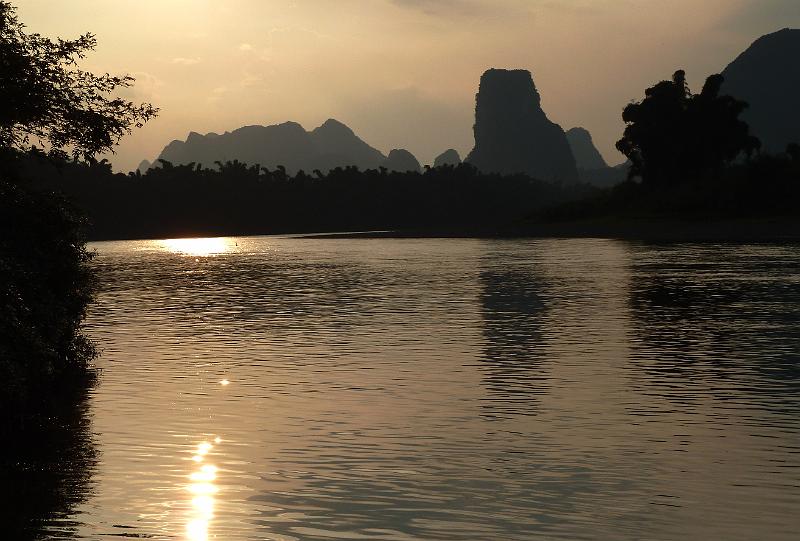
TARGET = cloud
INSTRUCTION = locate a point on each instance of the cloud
(185, 61)
(218, 93)
(441, 7)
(250, 80)
(145, 88)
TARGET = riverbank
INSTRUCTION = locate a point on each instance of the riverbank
(783, 229)
(656, 230)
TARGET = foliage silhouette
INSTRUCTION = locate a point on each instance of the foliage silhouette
(793, 151)
(688, 150)
(45, 282)
(236, 198)
(673, 135)
(45, 287)
(764, 187)
(45, 97)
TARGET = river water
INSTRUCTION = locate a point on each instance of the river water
(301, 389)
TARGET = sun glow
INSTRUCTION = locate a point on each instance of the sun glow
(202, 491)
(198, 247)
(206, 474)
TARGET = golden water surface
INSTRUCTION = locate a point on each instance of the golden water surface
(298, 389)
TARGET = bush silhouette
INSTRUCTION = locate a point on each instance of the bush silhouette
(45, 283)
(673, 135)
(44, 96)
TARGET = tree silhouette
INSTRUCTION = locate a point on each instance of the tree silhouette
(674, 135)
(45, 97)
(793, 151)
(47, 101)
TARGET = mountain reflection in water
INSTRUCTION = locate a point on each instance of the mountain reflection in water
(298, 389)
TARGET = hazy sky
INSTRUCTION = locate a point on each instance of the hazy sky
(401, 73)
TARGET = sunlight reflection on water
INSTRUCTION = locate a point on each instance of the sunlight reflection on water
(444, 389)
(200, 247)
(202, 491)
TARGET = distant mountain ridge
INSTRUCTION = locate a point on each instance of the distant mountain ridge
(592, 167)
(512, 132)
(586, 154)
(337, 145)
(330, 145)
(402, 160)
(767, 77)
(448, 157)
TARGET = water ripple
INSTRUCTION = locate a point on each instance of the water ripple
(444, 389)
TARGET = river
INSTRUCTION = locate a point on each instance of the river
(280, 388)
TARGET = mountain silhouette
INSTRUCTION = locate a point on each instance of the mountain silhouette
(767, 76)
(448, 157)
(586, 154)
(330, 145)
(513, 133)
(144, 165)
(592, 168)
(402, 161)
(337, 145)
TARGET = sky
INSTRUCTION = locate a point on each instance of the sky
(400, 73)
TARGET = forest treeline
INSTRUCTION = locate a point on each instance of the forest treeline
(234, 198)
(693, 157)
(690, 155)
(766, 186)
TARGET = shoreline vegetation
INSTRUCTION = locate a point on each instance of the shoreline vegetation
(46, 281)
(46, 361)
(755, 200)
(695, 172)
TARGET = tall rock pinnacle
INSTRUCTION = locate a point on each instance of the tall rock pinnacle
(512, 132)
